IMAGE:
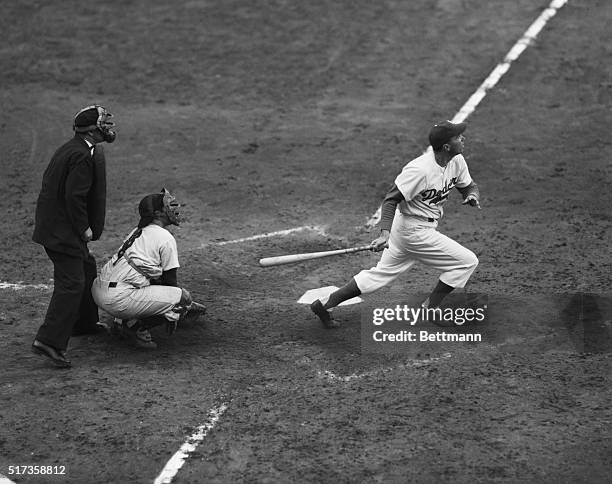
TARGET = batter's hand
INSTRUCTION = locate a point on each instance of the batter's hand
(472, 200)
(382, 242)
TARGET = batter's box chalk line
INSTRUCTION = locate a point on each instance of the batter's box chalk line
(331, 376)
(279, 233)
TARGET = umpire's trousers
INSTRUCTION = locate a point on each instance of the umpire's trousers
(72, 307)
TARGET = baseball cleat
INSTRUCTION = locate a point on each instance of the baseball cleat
(142, 339)
(323, 315)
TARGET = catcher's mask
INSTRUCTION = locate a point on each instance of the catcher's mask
(161, 202)
(171, 207)
(95, 117)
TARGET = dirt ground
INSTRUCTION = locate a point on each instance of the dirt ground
(270, 115)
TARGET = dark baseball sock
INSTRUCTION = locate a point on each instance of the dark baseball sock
(439, 293)
(151, 322)
(346, 292)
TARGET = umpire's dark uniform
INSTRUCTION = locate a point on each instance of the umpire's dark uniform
(72, 199)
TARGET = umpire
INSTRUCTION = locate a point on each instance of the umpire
(70, 212)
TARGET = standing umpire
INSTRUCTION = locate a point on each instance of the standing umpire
(70, 212)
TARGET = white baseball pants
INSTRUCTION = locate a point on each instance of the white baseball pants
(128, 302)
(413, 240)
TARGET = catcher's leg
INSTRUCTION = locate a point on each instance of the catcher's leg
(143, 308)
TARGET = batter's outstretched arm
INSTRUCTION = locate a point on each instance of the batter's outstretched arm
(387, 213)
(471, 194)
(389, 204)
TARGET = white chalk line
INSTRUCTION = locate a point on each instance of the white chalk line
(314, 228)
(331, 376)
(18, 286)
(178, 459)
(496, 74)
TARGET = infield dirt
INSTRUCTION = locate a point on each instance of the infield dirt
(264, 116)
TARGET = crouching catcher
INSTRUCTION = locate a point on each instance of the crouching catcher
(138, 285)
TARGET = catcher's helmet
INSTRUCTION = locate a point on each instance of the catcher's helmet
(95, 117)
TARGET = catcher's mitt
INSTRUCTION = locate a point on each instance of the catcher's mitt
(196, 309)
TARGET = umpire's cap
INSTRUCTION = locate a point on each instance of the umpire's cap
(442, 133)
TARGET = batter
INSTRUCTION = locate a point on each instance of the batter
(409, 234)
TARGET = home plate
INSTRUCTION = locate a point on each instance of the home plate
(322, 293)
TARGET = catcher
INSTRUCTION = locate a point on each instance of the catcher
(138, 285)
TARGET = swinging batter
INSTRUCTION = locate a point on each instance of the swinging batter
(409, 234)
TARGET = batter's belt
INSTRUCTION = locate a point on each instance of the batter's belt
(419, 217)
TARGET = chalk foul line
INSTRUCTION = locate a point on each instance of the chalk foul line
(179, 458)
(331, 376)
(496, 74)
(18, 286)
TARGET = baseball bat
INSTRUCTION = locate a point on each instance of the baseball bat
(288, 259)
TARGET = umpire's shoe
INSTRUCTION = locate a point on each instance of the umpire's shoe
(323, 315)
(57, 357)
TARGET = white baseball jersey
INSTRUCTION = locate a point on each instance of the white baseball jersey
(426, 185)
(152, 253)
